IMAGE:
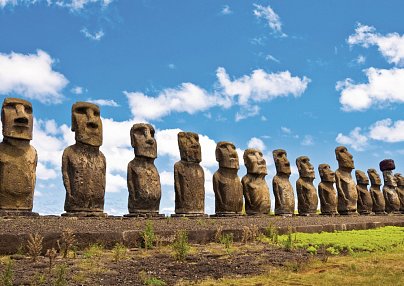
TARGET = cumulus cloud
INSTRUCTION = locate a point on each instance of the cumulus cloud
(355, 139)
(31, 76)
(92, 36)
(391, 45)
(257, 143)
(388, 131)
(104, 102)
(384, 87)
(269, 15)
(243, 91)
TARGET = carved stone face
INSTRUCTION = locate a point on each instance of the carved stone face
(143, 141)
(306, 169)
(16, 116)
(281, 162)
(374, 177)
(190, 149)
(326, 174)
(399, 179)
(254, 161)
(226, 155)
(389, 179)
(361, 178)
(86, 123)
(344, 158)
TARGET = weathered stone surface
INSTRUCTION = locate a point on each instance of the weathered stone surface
(346, 189)
(255, 187)
(389, 188)
(326, 190)
(365, 203)
(226, 183)
(84, 165)
(189, 178)
(143, 178)
(307, 199)
(400, 190)
(376, 193)
(283, 190)
(18, 159)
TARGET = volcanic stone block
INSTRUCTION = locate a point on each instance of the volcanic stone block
(307, 199)
(189, 178)
(283, 190)
(255, 187)
(375, 192)
(389, 188)
(143, 178)
(226, 183)
(400, 190)
(365, 203)
(326, 190)
(346, 189)
(84, 165)
(18, 159)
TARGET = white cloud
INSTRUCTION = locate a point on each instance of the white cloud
(186, 98)
(261, 86)
(31, 76)
(388, 131)
(384, 87)
(104, 102)
(226, 10)
(92, 36)
(257, 143)
(307, 140)
(391, 45)
(77, 90)
(272, 58)
(268, 14)
(286, 130)
(355, 139)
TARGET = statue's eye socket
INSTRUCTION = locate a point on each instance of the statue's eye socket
(81, 110)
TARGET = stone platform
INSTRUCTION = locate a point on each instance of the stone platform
(14, 232)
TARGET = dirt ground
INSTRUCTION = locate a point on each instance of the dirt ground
(152, 267)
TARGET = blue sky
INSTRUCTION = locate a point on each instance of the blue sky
(305, 76)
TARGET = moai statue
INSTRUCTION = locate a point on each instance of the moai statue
(346, 189)
(18, 159)
(400, 190)
(307, 200)
(326, 190)
(375, 192)
(283, 190)
(255, 188)
(389, 188)
(84, 165)
(365, 203)
(226, 183)
(189, 178)
(143, 178)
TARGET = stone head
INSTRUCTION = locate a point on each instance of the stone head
(361, 178)
(305, 168)
(374, 177)
(226, 155)
(254, 161)
(143, 141)
(344, 158)
(87, 124)
(399, 179)
(326, 174)
(281, 162)
(17, 119)
(190, 149)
